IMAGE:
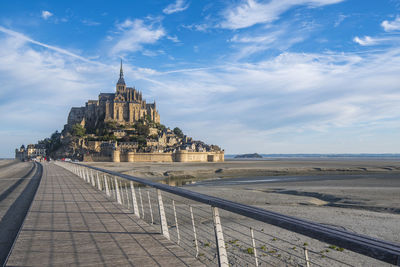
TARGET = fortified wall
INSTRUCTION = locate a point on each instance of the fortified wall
(178, 156)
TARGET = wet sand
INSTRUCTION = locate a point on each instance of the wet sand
(361, 195)
(246, 168)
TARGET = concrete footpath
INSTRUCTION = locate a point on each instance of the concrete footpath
(71, 223)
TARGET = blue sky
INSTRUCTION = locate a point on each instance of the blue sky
(278, 76)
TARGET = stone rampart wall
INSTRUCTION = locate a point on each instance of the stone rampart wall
(96, 158)
(180, 156)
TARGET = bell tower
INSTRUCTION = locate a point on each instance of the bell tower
(121, 86)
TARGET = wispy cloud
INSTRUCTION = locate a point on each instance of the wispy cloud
(251, 12)
(23, 37)
(134, 34)
(370, 41)
(366, 40)
(339, 20)
(275, 37)
(173, 38)
(46, 14)
(178, 6)
(393, 25)
(202, 27)
(275, 99)
(290, 103)
(40, 83)
(90, 22)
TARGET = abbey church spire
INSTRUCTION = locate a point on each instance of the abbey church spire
(121, 80)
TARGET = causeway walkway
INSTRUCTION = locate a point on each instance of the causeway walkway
(70, 223)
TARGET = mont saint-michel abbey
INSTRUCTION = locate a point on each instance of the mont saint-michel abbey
(121, 126)
(125, 106)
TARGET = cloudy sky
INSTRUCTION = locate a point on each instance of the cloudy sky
(274, 76)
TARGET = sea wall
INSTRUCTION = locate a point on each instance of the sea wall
(179, 156)
(96, 158)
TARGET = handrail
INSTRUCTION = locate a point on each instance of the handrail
(376, 248)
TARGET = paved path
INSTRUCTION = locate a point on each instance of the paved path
(71, 223)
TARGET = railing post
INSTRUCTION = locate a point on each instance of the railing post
(254, 246)
(163, 218)
(219, 239)
(88, 176)
(134, 200)
(141, 201)
(106, 184)
(194, 231)
(86, 171)
(112, 186)
(151, 210)
(121, 190)
(98, 182)
(92, 179)
(306, 257)
(127, 196)
(176, 222)
(117, 191)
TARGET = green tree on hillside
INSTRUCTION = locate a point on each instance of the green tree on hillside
(78, 130)
(142, 130)
(160, 126)
(178, 132)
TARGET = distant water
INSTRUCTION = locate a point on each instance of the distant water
(318, 156)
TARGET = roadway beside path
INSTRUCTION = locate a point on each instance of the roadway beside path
(18, 184)
(71, 223)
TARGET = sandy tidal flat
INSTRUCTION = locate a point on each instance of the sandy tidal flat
(360, 195)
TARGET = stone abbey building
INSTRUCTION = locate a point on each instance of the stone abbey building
(126, 109)
(125, 106)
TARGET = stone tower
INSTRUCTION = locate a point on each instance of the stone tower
(121, 86)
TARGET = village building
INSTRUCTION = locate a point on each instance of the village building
(31, 152)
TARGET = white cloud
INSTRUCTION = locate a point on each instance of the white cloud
(291, 103)
(39, 86)
(178, 6)
(90, 22)
(369, 41)
(391, 25)
(198, 27)
(173, 39)
(340, 19)
(280, 38)
(281, 103)
(46, 14)
(251, 12)
(365, 41)
(23, 38)
(134, 34)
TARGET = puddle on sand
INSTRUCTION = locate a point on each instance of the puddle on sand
(180, 181)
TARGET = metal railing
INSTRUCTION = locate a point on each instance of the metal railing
(222, 232)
